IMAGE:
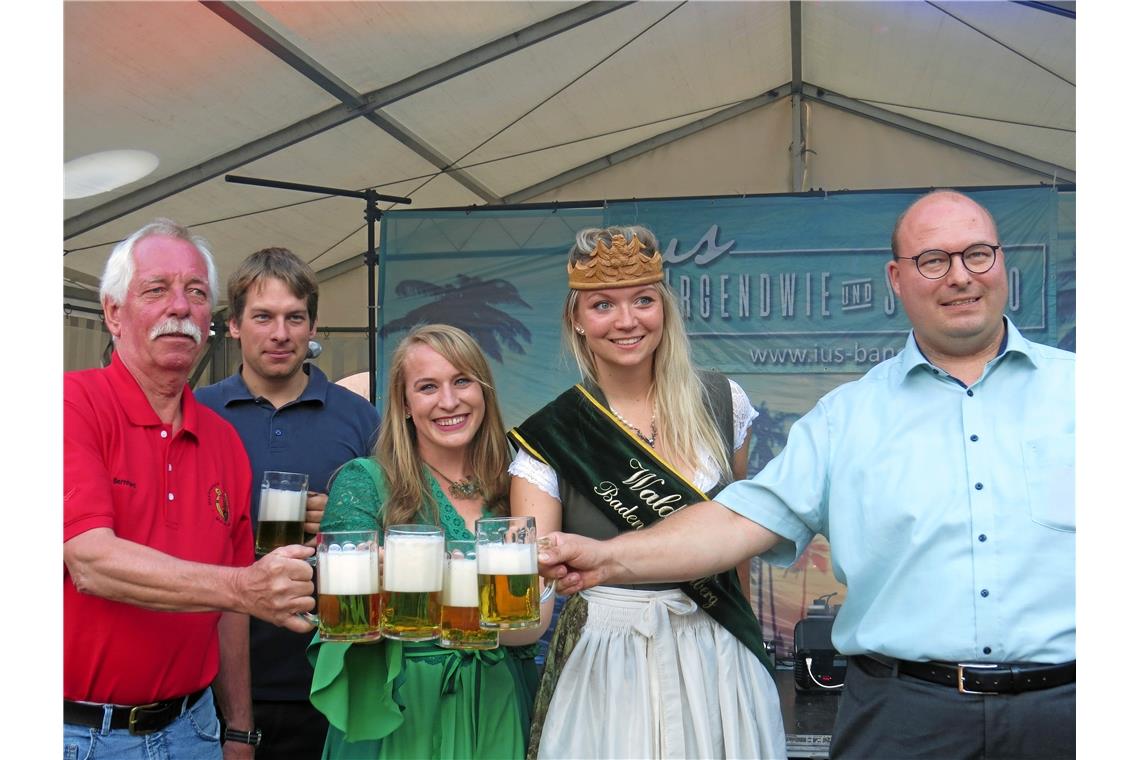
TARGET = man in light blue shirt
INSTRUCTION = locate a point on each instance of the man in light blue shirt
(943, 480)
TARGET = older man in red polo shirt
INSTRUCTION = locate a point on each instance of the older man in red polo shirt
(159, 575)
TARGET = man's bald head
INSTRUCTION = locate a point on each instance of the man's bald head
(923, 200)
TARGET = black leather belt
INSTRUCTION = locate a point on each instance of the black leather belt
(980, 678)
(138, 719)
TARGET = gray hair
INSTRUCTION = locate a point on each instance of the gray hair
(120, 267)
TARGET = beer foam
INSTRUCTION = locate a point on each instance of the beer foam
(413, 563)
(353, 572)
(507, 559)
(279, 505)
(461, 583)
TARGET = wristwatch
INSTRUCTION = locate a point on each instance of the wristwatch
(242, 737)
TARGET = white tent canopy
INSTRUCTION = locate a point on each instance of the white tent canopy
(463, 103)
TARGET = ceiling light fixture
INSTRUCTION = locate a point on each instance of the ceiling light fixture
(100, 172)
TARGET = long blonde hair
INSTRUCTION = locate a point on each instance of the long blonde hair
(679, 396)
(409, 486)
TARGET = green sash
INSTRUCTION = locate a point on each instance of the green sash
(625, 479)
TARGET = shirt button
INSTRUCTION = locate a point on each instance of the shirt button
(977, 486)
(986, 650)
(982, 538)
(969, 393)
(169, 468)
(985, 593)
(276, 432)
(163, 433)
(170, 497)
(974, 438)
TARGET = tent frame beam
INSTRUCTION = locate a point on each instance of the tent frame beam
(1053, 172)
(639, 148)
(251, 23)
(798, 141)
(332, 117)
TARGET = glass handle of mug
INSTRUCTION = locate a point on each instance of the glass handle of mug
(309, 617)
(547, 592)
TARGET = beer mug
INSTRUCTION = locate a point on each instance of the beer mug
(460, 628)
(507, 560)
(281, 516)
(348, 586)
(413, 582)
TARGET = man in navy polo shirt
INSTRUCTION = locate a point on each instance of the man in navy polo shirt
(291, 419)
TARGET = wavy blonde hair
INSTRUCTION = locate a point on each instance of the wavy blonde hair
(409, 486)
(682, 404)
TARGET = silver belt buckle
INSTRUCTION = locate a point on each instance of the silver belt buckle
(962, 677)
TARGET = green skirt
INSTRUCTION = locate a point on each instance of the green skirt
(403, 700)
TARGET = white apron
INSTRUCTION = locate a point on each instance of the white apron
(653, 676)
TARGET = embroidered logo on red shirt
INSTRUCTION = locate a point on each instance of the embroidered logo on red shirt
(220, 501)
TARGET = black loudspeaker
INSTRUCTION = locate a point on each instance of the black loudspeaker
(818, 667)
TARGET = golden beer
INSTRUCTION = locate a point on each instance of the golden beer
(273, 534)
(413, 585)
(280, 518)
(348, 587)
(460, 627)
(508, 586)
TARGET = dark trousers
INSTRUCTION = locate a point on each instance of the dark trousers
(289, 730)
(887, 717)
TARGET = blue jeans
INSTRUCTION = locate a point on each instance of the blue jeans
(194, 735)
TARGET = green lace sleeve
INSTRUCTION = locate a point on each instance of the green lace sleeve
(354, 503)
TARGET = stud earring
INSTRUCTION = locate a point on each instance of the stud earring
(578, 329)
(407, 415)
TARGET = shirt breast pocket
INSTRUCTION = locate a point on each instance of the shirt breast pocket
(1049, 481)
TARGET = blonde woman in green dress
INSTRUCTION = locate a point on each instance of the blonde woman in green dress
(441, 459)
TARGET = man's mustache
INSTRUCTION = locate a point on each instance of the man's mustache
(176, 326)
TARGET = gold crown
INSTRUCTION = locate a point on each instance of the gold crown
(620, 265)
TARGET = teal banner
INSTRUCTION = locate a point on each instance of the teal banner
(784, 286)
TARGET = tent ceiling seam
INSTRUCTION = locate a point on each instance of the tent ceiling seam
(636, 149)
(941, 134)
(332, 117)
(553, 146)
(995, 40)
(562, 89)
(262, 32)
(979, 117)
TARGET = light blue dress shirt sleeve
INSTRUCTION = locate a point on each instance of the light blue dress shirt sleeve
(789, 495)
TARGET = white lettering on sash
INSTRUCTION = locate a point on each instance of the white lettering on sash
(706, 594)
(608, 491)
(643, 483)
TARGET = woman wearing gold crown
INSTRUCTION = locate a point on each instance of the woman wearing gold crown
(661, 670)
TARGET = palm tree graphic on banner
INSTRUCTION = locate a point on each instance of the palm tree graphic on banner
(466, 304)
(769, 436)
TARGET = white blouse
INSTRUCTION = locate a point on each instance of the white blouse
(546, 479)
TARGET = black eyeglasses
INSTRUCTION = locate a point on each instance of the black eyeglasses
(934, 264)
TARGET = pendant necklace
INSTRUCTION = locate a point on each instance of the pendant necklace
(651, 439)
(467, 488)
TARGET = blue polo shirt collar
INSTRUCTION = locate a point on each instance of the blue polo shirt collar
(235, 390)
